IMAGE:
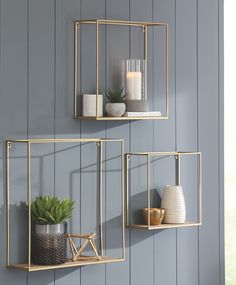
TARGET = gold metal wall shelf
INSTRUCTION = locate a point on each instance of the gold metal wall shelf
(28, 266)
(144, 29)
(177, 156)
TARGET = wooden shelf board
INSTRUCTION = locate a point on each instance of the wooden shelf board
(69, 264)
(123, 118)
(165, 226)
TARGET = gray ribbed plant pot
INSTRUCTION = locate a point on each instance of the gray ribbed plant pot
(49, 244)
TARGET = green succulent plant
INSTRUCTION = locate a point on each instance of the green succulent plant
(115, 96)
(50, 210)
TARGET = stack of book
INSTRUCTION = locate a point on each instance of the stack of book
(142, 114)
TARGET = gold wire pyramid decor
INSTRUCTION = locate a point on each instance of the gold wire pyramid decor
(76, 251)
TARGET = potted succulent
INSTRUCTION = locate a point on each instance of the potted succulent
(49, 240)
(116, 106)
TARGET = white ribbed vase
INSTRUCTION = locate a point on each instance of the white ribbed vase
(174, 204)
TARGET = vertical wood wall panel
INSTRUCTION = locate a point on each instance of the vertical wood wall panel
(13, 109)
(141, 241)
(41, 105)
(67, 156)
(66, 13)
(221, 138)
(37, 100)
(164, 139)
(89, 191)
(117, 273)
(208, 139)
(186, 131)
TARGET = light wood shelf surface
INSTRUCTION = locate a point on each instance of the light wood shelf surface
(164, 226)
(82, 262)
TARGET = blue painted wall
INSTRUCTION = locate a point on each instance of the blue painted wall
(36, 100)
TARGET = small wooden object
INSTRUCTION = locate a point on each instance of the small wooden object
(76, 252)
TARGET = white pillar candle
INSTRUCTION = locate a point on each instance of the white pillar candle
(134, 85)
(89, 105)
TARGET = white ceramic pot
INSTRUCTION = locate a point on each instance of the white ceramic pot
(174, 204)
(115, 109)
(89, 105)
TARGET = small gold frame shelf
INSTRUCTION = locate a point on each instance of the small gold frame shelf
(177, 156)
(144, 28)
(28, 266)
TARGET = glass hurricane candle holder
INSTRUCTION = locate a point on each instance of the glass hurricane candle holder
(134, 85)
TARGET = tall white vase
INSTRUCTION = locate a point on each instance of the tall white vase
(174, 204)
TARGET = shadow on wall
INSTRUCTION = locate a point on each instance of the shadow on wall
(18, 234)
(139, 201)
(19, 237)
(88, 127)
(112, 226)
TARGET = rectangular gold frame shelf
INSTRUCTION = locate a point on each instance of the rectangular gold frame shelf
(177, 156)
(28, 266)
(144, 28)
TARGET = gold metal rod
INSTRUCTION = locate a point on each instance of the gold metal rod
(100, 197)
(177, 170)
(123, 197)
(152, 153)
(167, 72)
(148, 188)
(71, 248)
(163, 153)
(74, 247)
(29, 202)
(137, 24)
(111, 140)
(127, 189)
(82, 247)
(97, 66)
(75, 67)
(145, 57)
(8, 145)
(121, 22)
(93, 247)
(145, 42)
(123, 118)
(200, 188)
(189, 153)
(65, 140)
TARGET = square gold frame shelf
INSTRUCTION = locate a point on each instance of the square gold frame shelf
(177, 156)
(144, 28)
(104, 259)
